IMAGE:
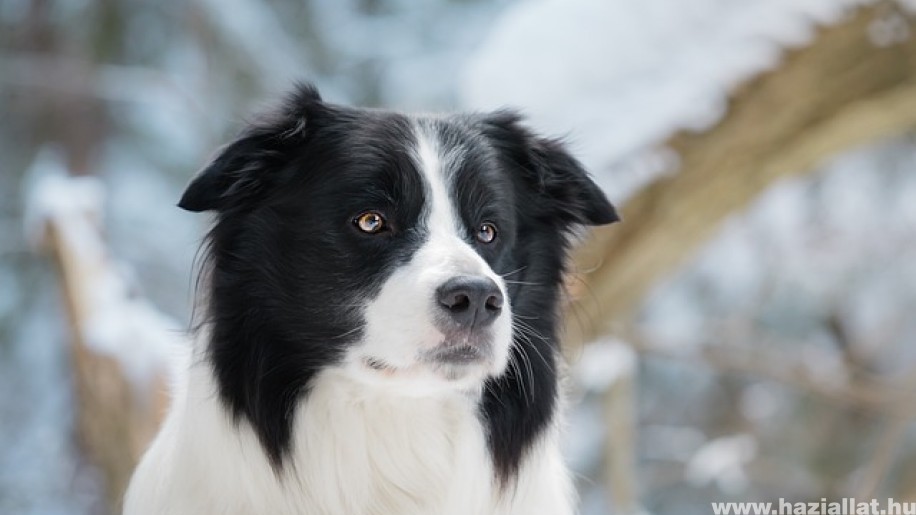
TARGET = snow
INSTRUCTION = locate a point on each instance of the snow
(722, 461)
(117, 321)
(888, 29)
(605, 362)
(620, 77)
(54, 196)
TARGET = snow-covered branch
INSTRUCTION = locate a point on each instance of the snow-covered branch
(122, 347)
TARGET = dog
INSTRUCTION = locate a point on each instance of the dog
(381, 295)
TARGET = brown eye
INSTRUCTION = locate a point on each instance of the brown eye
(486, 233)
(370, 222)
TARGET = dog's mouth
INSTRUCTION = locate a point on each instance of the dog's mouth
(378, 364)
(462, 354)
(447, 359)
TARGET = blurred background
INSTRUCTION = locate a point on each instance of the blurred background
(748, 333)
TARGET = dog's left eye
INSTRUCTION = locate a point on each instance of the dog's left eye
(486, 232)
(370, 222)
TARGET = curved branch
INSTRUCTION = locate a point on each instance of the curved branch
(840, 91)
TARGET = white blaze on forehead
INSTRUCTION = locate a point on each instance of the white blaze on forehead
(431, 160)
(446, 247)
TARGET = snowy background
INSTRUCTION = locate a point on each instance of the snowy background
(819, 272)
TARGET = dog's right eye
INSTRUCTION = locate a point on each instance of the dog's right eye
(486, 233)
(370, 222)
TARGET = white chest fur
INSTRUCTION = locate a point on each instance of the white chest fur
(355, 451)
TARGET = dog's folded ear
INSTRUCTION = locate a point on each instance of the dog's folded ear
(565, 180)
(546, 164)
(245, 168)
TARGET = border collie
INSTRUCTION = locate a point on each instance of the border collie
(380, 333)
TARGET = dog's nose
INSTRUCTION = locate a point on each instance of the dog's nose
(470, 301)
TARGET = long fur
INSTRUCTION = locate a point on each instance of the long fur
(316, 384)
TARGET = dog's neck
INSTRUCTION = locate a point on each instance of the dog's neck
(395, 454)
(355, 449)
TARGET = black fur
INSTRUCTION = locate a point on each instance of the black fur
(288, 269)
(554, 193)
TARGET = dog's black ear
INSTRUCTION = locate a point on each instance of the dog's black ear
(565, 180)
(546, 164)
(246, 167)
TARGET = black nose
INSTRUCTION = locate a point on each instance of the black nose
(470, 301)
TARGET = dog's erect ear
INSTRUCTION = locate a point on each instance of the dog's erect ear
(245, 168)
(552, 170)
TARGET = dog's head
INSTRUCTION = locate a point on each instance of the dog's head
(417, 253)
